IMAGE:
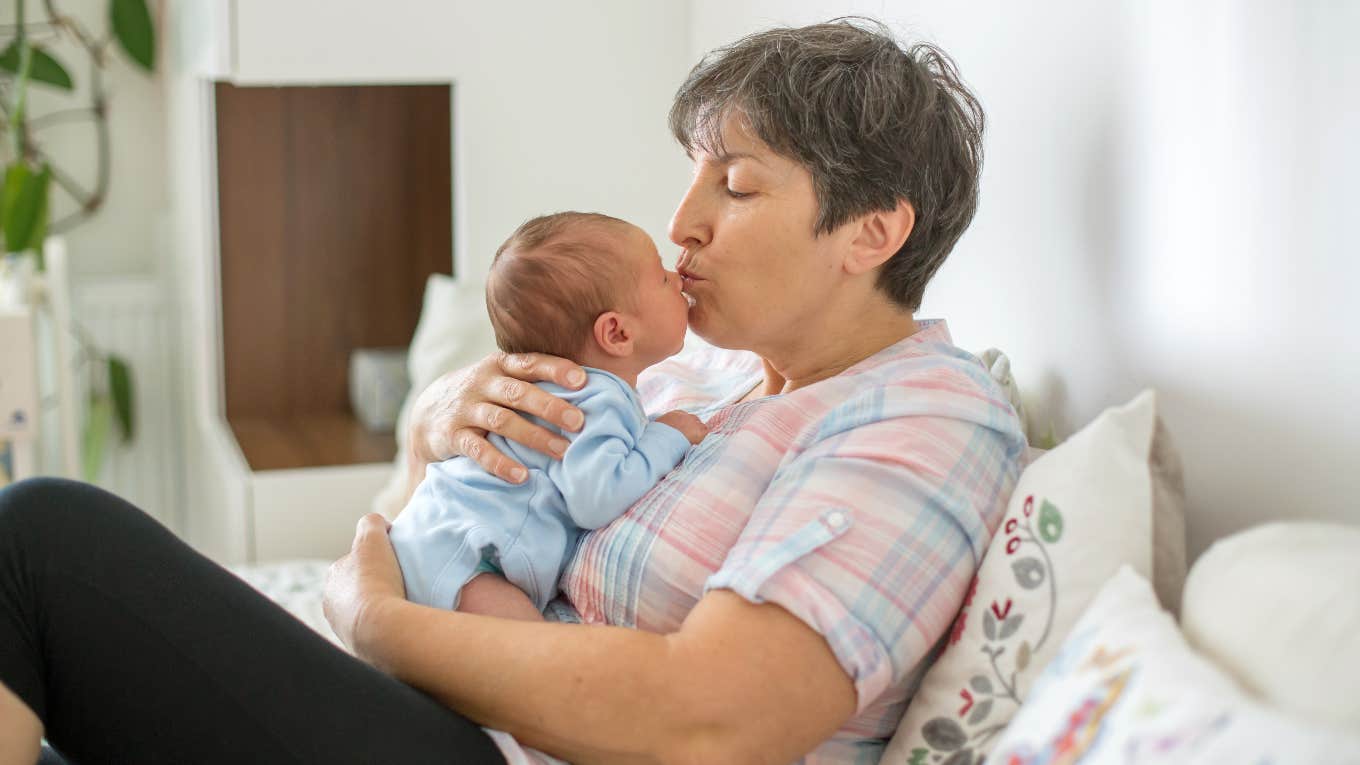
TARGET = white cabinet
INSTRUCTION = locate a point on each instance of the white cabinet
(310, 513)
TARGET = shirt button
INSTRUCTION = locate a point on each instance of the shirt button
(836, 519)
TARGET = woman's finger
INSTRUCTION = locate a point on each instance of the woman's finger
(371, 523)
(510, 425)
(474, 446)
(522, 396)
(540, 367)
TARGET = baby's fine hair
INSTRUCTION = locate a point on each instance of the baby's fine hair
(552, 278)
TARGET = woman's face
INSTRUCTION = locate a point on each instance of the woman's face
(751, 263)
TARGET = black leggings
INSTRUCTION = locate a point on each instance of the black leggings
(132, 648)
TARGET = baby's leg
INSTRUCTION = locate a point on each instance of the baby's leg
(491, 595)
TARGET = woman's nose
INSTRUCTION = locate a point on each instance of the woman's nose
(690, 227)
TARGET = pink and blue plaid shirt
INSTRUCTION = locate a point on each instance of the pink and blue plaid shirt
(862, 504)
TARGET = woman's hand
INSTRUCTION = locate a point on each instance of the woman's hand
(454, 414)
(362, 582)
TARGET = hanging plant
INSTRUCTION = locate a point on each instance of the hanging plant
(30, 173)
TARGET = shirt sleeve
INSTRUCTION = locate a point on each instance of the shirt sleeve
(871, 537)
(616, 458)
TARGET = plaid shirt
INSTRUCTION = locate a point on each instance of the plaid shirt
(861, 504)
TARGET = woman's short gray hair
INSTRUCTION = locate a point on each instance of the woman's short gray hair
(873, 123)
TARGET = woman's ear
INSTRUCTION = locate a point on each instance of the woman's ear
(881, 234)
(614, 333)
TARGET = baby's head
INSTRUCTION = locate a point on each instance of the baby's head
(586, 287)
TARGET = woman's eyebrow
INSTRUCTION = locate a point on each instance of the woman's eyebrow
(727, 158)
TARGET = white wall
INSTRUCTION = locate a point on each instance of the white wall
(125, 235)
(1165, 204)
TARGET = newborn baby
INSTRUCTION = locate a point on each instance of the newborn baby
(590, 288)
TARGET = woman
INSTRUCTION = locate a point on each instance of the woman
(776, 597)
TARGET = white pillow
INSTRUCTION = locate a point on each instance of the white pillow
(1277, 607)
(453, 332)
(1126, 688)
(1108, 496)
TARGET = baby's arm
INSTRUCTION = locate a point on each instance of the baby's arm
(609, 465)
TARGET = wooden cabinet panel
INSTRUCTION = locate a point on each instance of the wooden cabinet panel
(335, 206)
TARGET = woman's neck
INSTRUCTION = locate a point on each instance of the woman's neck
(845, 338)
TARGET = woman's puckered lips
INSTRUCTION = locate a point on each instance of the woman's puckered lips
(682, 267)
(687, 274)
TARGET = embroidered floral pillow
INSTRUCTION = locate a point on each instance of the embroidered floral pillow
(1126, 688)
(1110, 495)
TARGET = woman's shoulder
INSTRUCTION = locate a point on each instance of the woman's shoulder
(927, 375)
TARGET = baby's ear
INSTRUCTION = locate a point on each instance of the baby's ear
(614, 334)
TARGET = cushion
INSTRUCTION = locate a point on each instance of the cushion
(1127, 688)
(1302, 577)
(453, 332)
(1110, 495)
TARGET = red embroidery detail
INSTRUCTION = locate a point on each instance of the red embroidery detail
(972, 590)
(1010, 525)
(999, 613)
(967, 697)
(959, 625)
(1012, 545)
(1029, 505)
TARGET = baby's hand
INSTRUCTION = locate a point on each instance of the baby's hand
(693, 427)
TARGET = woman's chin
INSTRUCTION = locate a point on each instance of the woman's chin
(701, 325)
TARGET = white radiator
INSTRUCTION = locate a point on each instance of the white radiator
(129, 317)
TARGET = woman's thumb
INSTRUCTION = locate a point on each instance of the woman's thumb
(373, 523)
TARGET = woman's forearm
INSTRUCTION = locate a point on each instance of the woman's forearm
(587, 693)
(737, 683)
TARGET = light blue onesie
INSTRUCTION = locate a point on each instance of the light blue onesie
(460, 510)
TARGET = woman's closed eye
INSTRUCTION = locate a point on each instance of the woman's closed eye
(734, 193)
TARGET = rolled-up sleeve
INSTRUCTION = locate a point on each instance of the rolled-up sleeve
(871, 535)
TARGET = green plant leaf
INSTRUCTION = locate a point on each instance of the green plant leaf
(132, 26)
(23, 208)
(120, 387)
(41, 68)
(39, 235)
(16, 183)
(38, 229)
(98, 418)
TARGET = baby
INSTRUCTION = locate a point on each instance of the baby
(581, 286)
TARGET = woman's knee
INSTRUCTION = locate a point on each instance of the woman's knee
(59, 509)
